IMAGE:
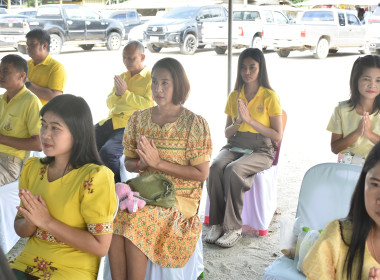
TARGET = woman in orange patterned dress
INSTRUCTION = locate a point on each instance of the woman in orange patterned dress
(171, 140)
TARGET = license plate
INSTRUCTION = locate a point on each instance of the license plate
(154, 38)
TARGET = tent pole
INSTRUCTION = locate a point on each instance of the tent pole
(229, 47)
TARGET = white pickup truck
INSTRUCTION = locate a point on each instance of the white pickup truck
(323, 31)
(252, 26)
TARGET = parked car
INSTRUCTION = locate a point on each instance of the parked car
(181, 27)
(373, 31)
(323, 31)
(3, 11)
(70, 24)
(252, 26)
(29, 12)
(128, 18)
(13, 29)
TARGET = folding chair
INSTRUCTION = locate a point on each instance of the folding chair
(260, 202)
(325, 195)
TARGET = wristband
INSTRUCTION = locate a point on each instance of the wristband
(235, 123)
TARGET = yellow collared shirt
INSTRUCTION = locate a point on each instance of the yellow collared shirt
(19, 118)
(264, 105)
(48, 74)
(137, 97)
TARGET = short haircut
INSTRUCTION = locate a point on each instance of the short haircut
(76, 114)
(181, 85)
(137, 44)
(17, 61)
(40, 35)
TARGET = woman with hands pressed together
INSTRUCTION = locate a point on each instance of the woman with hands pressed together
(355, 123)
(171, 140)
(67, 198)
(253, 123)
(349, 248)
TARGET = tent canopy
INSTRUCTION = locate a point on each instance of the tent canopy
(340, 2)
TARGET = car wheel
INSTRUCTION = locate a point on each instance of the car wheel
(220, 50)
(257, 43)
(333, 50)
(190, 44)
(365, 49)
(113, 41)
(153, 48)
(283, 53)
(55, 44)
(322, 49)
(22, 49)
(87, 47)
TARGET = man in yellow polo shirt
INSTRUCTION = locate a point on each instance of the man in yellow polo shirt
(131, 92)
(47, 77)
(19, 118)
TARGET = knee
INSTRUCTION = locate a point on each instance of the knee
(216, 167)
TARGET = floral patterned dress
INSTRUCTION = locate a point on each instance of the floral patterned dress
(168, 236)
(85, 199)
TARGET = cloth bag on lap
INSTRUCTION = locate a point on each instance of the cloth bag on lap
(155, 189)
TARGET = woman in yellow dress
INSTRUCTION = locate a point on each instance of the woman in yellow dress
(171, 140)
(67, 198)
(350, 248)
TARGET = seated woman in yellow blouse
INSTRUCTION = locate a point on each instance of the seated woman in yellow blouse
(67, 199)
(350, 248)
(355, 123)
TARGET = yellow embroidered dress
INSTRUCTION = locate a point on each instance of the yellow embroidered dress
(85, 199)
(168, 236)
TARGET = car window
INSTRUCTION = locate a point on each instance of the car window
(119, 17)
(280, 18)
(49, 11)
(342, 20)
(88, 14)
(318, 16)
(268, 16)
(245, 16)
(74, 13)
(205, 14)
(132, 16)
(352, 20)
(215, 12)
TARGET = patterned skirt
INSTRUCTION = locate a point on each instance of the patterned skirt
(164, 235)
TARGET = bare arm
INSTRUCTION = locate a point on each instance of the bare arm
(44, 93)
(36, 213)
(29, 144)
(231, 129)
(338, 143)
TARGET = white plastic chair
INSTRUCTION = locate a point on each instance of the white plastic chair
(9, 199)
(190, 271)
(325, 195)
(260, 201)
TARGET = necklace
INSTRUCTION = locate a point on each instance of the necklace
(373, 247)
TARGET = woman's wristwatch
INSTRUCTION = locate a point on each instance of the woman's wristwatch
(235, 123)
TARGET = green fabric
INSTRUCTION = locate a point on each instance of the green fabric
(155, 189)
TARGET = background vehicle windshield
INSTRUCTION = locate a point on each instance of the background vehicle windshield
(183, 12)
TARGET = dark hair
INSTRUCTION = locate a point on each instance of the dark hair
(17, 61)
(181, 83)
(40, 35)
(361, 221)
(258, 56)
(137, 44)
(360, 65)
(76, 113)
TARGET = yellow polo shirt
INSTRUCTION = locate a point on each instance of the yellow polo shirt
(344, 121)
(137, 97)
(264, 105)
(48, 74)
(19, 118)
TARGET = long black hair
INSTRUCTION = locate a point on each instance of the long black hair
(358, 216)
(76, 113)
(258, 56)
(360, 65)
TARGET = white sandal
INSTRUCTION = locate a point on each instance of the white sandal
(229, 239)
(215, 232)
